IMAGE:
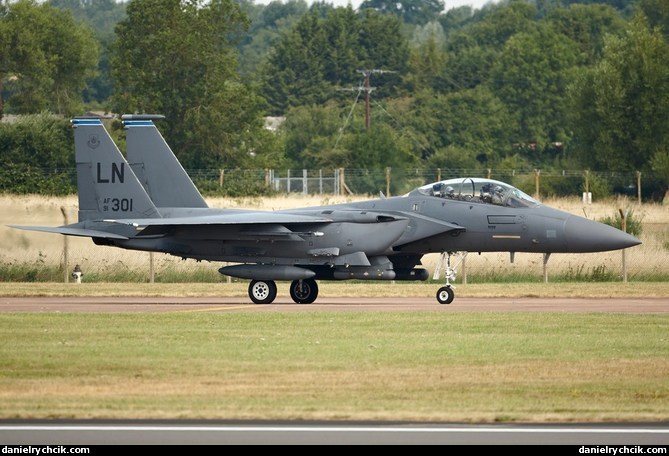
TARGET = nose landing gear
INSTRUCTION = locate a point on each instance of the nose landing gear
(446, 294)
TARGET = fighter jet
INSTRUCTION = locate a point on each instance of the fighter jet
(149, 203)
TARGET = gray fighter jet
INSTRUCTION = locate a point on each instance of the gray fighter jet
(149, 203)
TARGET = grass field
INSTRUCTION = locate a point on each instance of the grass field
(472, 367)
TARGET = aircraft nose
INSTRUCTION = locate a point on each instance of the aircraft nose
(583, 235)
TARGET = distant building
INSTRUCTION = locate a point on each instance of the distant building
(273, 123)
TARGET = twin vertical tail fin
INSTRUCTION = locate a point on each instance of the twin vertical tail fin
(156, 166)
(108, 189)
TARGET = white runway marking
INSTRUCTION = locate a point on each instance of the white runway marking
(214, 428)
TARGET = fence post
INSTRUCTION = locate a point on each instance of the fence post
(463, 268)
(638, 186)
(152, 271)
(537, 179)
(388, 181)
(342, 182)
(288, 182)
(267, 179)
(221, 177)
(305, 183)
(623, 216)
(337, 187)
(66, 241)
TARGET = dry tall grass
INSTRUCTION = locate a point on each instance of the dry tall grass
(42, 248)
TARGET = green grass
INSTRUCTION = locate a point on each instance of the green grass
(479, 366)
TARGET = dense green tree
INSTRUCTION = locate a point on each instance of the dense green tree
(175, 57)
(530, 77)
(587, 25)
(500, 23)
(341, 31)
(619, 107)
(268, 24)
(32, 144)
(473, 119)
(101, 16)
(311, 136)
(657, 12)
(383, 46)
(455, 18)
(473, 50)
(331, 47)
(428, 60)
(546, 7)
(5, 62)
(294, 74)
(411, 11)
(47, 58)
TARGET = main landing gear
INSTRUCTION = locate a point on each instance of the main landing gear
(446, 294)
(302, 291)
(262, 291)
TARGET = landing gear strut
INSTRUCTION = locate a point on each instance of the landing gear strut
(446, 294)
(262, 291)
(304, 291)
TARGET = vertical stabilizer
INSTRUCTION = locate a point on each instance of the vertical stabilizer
(156, 166)
(107, 187)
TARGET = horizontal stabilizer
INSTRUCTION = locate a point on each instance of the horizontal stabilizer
(156, 226)
(70, 231)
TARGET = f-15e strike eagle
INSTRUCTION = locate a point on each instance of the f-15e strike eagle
(149, 203)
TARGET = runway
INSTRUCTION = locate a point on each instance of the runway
(306, 433)
(385, 304)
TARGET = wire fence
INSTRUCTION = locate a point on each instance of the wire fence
(393, 181)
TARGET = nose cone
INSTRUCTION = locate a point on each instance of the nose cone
(583, 235)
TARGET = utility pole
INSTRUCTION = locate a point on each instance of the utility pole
(368, 90)
(366, 87)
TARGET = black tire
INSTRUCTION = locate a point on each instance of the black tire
(304, 291)
(445, 295)
(262, 291)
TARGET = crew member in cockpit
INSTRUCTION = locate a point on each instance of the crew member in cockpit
(498, 195)
(486, 193)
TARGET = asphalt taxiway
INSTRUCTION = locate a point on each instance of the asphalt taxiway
(318, 433)
(385, 304)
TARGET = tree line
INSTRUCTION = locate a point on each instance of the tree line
(520, 84)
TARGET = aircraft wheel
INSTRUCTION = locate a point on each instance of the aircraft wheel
(304, 291)
(262, 291)
(445, 295)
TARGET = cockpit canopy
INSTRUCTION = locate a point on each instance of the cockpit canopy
(479, 190)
